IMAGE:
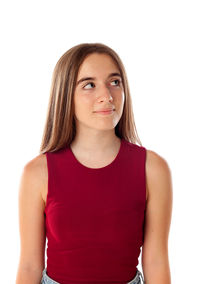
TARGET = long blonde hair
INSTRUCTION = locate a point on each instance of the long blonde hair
(59, 130)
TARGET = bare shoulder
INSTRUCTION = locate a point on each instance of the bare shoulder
(157, 171)
(37, 171)
(155, 161)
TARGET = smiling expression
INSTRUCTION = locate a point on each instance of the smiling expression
(98, 87)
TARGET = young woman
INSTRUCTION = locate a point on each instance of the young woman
(94, 193)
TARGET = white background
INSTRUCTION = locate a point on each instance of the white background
(159, 44)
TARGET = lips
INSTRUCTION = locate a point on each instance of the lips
(105, 110)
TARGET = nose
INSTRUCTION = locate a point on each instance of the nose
(105, 93)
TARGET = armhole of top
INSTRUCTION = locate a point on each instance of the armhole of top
(144, 173)
(48, 183)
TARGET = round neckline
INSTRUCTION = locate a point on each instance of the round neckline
(114, 161)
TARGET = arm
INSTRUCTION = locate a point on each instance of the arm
(31, 222)
(155, 262)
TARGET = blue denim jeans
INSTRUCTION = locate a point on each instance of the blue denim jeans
(47, 280)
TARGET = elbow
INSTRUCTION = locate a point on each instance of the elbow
(30, 276)
(157, 272)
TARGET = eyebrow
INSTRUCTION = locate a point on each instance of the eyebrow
(93, 78)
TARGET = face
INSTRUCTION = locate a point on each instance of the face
(97, 89)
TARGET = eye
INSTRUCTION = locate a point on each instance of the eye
(118, 81)
(88, 84)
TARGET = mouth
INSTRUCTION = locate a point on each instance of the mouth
(106, 109)
(104, 112)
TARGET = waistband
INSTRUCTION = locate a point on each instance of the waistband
(47, 280)
(137, 278)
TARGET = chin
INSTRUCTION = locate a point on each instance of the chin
(104, 127)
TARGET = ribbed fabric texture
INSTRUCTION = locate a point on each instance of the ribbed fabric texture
(95, 217)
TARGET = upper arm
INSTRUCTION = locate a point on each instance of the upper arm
(31, 214)
(158, 210)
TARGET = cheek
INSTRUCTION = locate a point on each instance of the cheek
(83, 106)
(119, 100)
(120, 104)
(83, 99)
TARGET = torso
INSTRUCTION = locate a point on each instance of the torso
(44, 169)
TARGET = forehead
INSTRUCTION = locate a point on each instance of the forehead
(97, 64)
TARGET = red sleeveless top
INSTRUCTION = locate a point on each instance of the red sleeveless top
(95, 217)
